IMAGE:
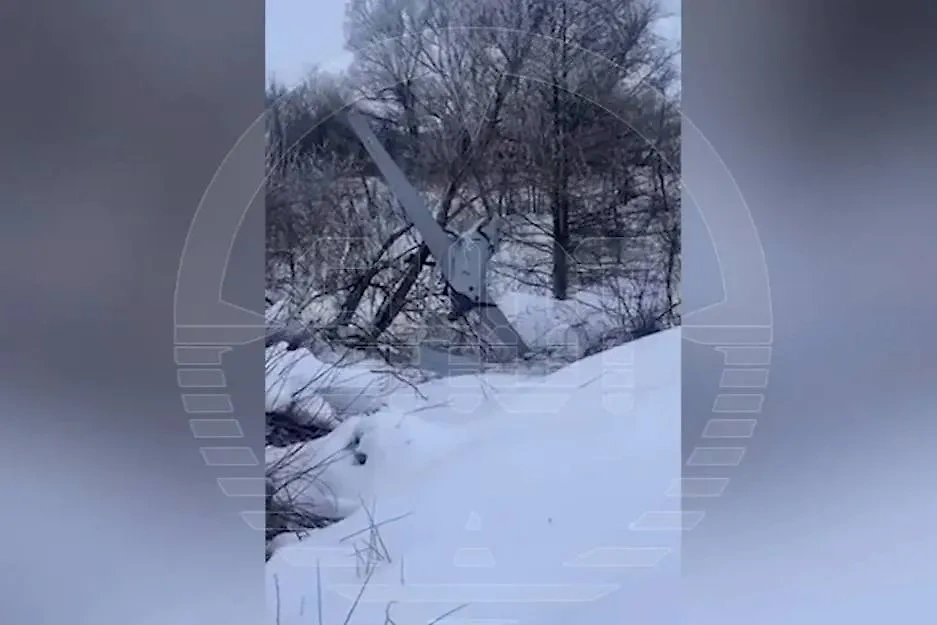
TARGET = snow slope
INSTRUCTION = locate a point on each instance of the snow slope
(502, 499)
(300, 378)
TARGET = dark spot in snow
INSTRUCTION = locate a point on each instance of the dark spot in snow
(360, 458)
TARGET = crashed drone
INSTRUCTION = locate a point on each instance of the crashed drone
(463, 259)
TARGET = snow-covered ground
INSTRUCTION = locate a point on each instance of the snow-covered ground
(492, 499)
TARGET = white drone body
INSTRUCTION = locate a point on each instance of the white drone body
(463, 259)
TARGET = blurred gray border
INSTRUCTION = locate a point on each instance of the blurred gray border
(115, 118)
(818, 438)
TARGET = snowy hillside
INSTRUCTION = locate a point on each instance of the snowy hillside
(490, 499)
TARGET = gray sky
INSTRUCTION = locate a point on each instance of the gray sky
(304, 33)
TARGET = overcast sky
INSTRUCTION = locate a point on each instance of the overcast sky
(304, 33)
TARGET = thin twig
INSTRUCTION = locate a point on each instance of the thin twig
(354, 605)
(448, 614)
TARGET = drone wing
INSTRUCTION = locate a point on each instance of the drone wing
(493, 325)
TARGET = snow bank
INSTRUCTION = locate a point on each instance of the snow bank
(301, 379)
(516, 496)
(570, 327)
(319, 475)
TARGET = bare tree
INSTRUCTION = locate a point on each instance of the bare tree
(432, 61)
(559, 116)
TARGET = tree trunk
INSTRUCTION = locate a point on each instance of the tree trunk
(560, 244)
(392, 306)
(560, 182)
